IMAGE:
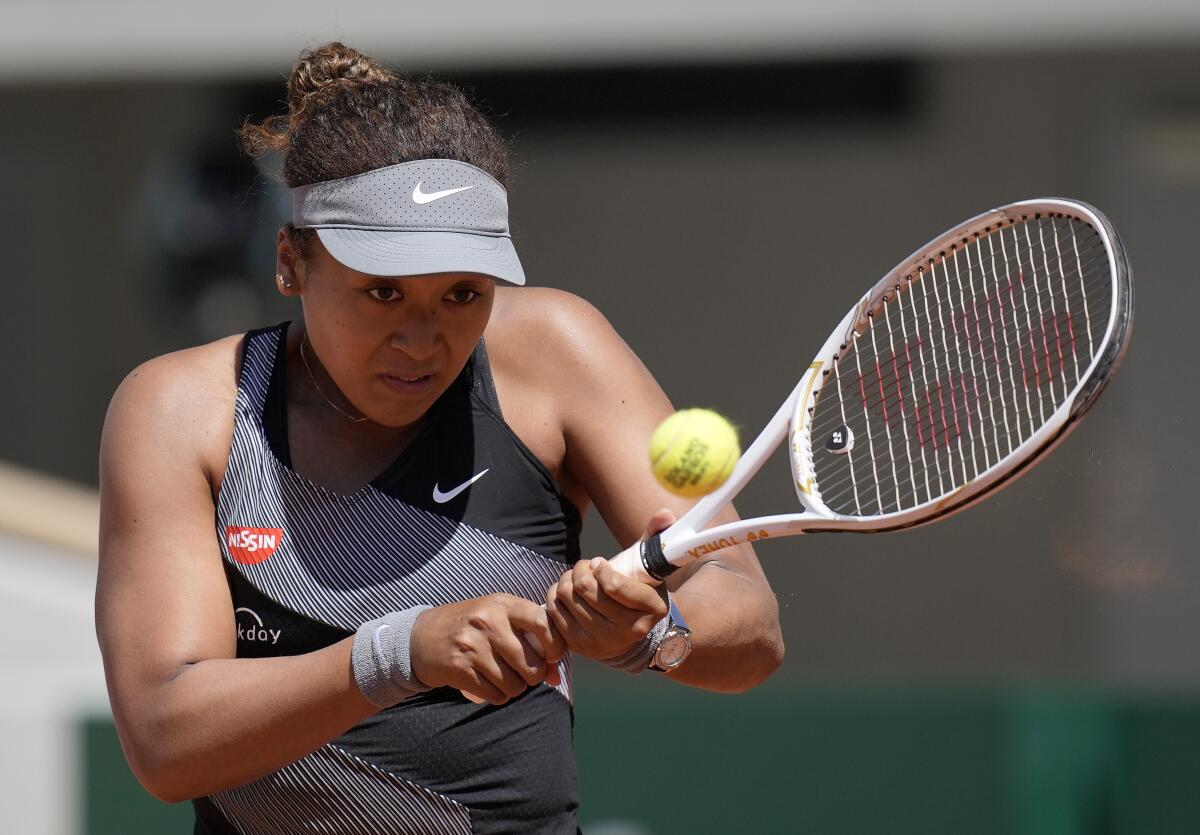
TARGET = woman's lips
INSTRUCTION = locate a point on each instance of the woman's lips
(409, 384)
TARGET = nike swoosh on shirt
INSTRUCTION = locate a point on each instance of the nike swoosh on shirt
(442, 498)
(428, 197)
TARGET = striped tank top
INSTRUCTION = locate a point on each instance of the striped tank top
(307, 565)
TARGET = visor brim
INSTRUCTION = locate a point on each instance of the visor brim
(393, 253)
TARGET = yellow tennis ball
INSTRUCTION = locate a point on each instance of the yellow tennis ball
(693, 451)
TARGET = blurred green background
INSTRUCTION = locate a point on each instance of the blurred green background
(834, 761)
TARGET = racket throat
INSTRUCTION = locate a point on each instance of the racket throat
(654, 561)
(645, 561)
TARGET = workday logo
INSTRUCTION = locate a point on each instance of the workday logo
(250, 546)
(251, 628)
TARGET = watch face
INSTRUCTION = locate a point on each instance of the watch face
(673, 649)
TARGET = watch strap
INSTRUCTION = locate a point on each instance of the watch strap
(639, 657)
(675, 615)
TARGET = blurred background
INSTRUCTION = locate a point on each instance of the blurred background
(721, 180)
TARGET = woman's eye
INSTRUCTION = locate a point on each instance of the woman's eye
(384, 294)
(463, 296)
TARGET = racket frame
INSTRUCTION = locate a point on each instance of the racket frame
(688, 539)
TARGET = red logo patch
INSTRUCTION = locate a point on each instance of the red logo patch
(250, 546)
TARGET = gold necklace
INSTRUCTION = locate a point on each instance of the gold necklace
(308, 368)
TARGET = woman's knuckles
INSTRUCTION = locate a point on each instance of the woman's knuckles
(479, 621)
(612, 585)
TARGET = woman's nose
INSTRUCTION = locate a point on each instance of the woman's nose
(418, 337)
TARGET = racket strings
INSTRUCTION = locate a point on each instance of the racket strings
(936, 480)
(991, 358)
(963, 362)
(992, 308)
(994, 358)
(973, 464)
(951, 444)
(991, 328)
(975, 317)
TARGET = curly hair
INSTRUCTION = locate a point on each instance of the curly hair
(348, 114)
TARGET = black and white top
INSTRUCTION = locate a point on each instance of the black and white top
(307, 565)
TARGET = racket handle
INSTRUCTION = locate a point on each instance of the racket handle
(644, 561)
(631, 562)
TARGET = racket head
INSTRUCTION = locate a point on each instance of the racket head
(961, 367)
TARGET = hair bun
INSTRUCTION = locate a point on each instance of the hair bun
(328, 66)
(348, 114)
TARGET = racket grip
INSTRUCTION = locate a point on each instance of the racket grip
(631, 562)
(644, 562)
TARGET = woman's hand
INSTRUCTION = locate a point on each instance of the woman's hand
(600, 612)
(480, 647)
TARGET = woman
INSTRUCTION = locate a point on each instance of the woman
(396, 481)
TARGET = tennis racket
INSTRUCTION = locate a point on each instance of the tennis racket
(947, 380)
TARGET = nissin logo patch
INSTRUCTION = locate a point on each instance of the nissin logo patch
(250, 546)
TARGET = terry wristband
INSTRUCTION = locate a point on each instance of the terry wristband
(381, 660)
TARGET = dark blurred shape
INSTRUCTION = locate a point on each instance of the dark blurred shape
(869, 89)
(197, 202)
(205, 215)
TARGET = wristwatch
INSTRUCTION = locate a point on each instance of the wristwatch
(676, 642)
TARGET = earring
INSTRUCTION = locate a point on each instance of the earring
(283, 282)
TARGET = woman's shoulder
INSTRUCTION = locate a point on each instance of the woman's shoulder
(183, 376)
(525, 304)
(559, 329)
(184, 398)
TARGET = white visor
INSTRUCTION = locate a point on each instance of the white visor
(414, 218)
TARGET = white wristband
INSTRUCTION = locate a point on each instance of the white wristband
(381, 659)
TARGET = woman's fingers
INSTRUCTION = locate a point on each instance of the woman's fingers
(565, 623)
(660, 521)
(494, 666)
(533, 622)
(588, 598)
(491, 648)
(596, 588)
(518, 655)
(570, 602)
(479, 690)
(625, 593)
(600, 612)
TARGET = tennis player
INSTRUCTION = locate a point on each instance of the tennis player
(318, 536)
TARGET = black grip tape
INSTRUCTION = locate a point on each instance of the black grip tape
(654, 561)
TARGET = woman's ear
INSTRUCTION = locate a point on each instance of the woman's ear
(288, 264)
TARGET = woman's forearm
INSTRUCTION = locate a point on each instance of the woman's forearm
(737, 643)
(220, 723)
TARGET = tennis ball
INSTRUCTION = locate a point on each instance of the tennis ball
(693, 451)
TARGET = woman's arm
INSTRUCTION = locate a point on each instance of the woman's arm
(193, 718)
(609, 405)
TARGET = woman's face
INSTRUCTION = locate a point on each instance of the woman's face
(391, 345)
